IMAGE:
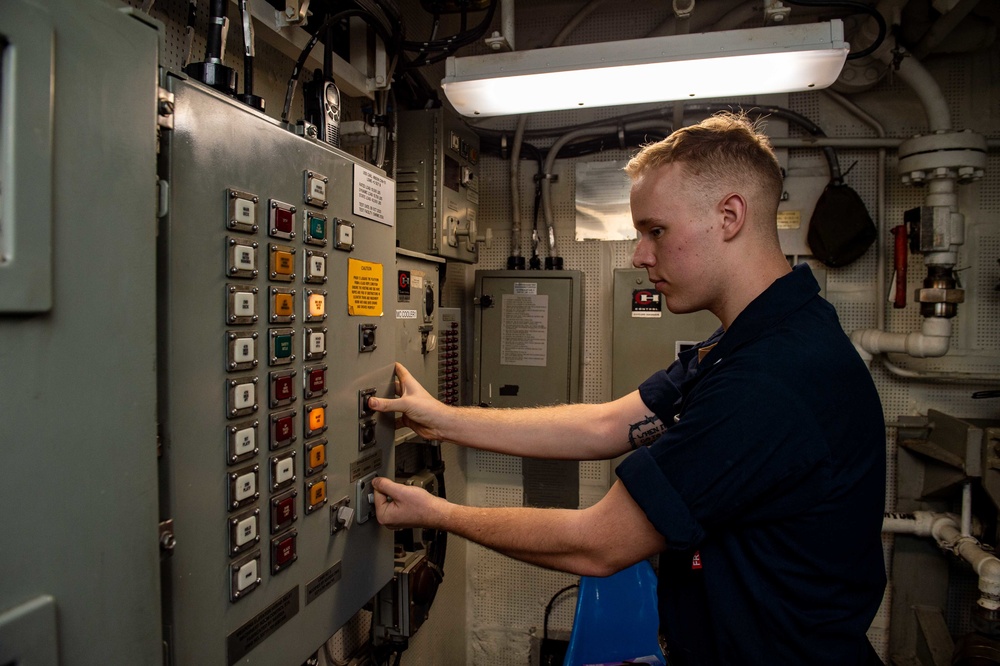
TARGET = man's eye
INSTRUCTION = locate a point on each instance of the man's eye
(655, 232)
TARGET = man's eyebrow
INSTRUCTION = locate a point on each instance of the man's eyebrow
(644, 222)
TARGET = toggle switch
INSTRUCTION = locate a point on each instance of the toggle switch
(365, 500)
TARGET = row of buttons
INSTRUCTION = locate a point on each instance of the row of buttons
(244, 263)
(448, 365)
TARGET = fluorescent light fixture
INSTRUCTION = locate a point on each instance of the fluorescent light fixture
(731, 63)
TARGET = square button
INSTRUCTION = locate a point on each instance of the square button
(315, 267)
(244, 257)
(344, 239)
(245, 395)
(245, 211)
(315, 189)
(315, 494)
(282, 263)
(281, 220)
(315, 456)
(282, 388)
(315, 381)
(245, 531)
(282, 429)
(242, 440)
(282, 470)
(282, 511)
(242, 396)
(282, 305)
(315, 419)
(315, 228)
(246, 576)
(246, 486)
(315, 305)
(244, 304)
(243, 486)
(315, 342)
(243, 350)
(241, 304)
(282, 552)
(281, 346)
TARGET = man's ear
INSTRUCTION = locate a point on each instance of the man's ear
(733, 209)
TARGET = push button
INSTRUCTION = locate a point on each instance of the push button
(244, 531)
(315, 228)
(242, 441)
(244, 576)
(315, 305)
(282, 263)
(315, 343)
(282, 429)
(241, 350)
(282, 470)
(315, 421)
(315, 494)
(282, 388)
(241, 304)
(243, 486)
(283, 551)
(242, 395)
(315, 267)
(283, 511)
(281, 220)
(315, 384)
(281, 351)
(242, 211)
(242, 259)
(315, 188)
(316, 457)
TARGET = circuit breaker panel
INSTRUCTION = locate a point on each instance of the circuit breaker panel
(437, 182)
(527, 338)
(274, 255)
(418, 334)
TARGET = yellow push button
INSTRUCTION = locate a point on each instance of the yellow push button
(284, 305)
(317, 456)
(284, 264)
(317, 493)
(317, 306)
(317, 418)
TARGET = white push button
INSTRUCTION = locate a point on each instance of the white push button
(243, 305)
(317, 189)
(246, 211)
(284, 470)
(247, 575)
(345, 234)
(246, 486)
(244, 257)
(246, 531)
(244, 396)
(246, 441)
(243, 350)
(317, 343)
(317, 267)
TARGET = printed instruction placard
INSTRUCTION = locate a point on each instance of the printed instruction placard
(524, 329)
(364, 288)
(374, 196)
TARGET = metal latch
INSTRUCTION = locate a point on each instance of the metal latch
(164, 108)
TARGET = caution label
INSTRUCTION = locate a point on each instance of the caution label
(789, 219)
(364, 288)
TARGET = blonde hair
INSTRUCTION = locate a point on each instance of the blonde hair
(725, 148)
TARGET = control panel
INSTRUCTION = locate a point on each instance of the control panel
(449, 355)
(275, 252)
(437, 183)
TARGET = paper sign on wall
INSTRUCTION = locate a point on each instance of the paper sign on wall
(364, 288)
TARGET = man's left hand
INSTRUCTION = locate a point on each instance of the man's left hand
(398, 506)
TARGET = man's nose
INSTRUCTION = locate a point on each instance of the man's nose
(641, 257)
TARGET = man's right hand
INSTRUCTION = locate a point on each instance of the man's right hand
(421, 411)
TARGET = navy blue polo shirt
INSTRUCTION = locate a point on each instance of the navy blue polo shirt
(768, 487)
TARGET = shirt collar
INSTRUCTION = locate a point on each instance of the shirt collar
(785, 295)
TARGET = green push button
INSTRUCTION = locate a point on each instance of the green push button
(317, 228)
(282, 346)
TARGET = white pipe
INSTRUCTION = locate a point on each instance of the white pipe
(507, 21)
(553, 153)
(916, 76)
(986, 566)
(932, 341)
(522, 121)
(944, 529)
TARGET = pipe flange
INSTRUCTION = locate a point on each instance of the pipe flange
(959, 156)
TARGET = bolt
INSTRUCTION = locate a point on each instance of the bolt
(166, 107)
(167, 541)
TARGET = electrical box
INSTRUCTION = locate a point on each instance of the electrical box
(78, 474)
(646, 336)
(437, 184)
(527, 338)
(418, 290)
(275, 255)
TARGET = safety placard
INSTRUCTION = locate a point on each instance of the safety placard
(374, 196)
(364, 288)
(524, 330)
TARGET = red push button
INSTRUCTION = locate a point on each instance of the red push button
(283, 390)
(284, 511)
(283, 220)
(317, 380)
(285, 552)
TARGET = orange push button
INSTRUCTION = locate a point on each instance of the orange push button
(315, 494)
(284, 305)
(315, 456)
(283, 263)
(315, 419)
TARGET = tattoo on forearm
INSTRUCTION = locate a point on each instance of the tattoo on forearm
(645, 432)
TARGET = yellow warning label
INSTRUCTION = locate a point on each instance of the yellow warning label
(789, 219)
(364, 288)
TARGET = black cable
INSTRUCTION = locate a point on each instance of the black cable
(861, 8)
(548, 609)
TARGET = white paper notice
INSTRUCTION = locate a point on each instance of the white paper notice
(374, 196)
(524, 330)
